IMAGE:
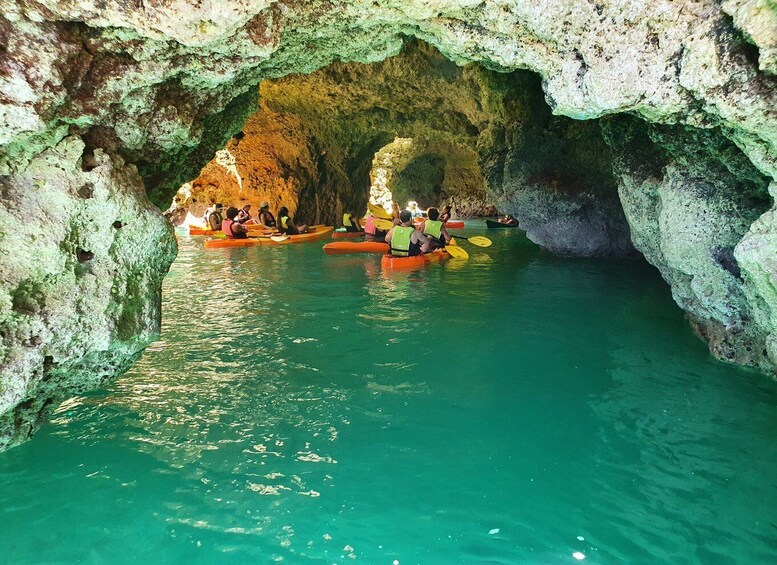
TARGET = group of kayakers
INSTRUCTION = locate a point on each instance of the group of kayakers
(233, 222)
(405, 238)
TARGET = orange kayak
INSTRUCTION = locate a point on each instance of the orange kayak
(207, 231)
(219, 243)
(347, 234)
(389, 262)
(319, 232)
(348, 247)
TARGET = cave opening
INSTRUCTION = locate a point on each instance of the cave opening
(416, 126)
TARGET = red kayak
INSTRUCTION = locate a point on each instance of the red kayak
(347, 234)
(450, 224)
(348, 247)
(389, 262)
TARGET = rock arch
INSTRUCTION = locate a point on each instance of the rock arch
(107, 106)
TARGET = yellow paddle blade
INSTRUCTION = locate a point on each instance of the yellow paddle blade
(456, 252)
(378, 211)
(383, 225)
(480, 241)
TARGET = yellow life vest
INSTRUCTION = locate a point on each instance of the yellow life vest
(283, 222)
(400, 241)
(347, 220)
(433, 227)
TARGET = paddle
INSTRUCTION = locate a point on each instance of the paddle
(456, 252)
(478, 240)
(383, 225)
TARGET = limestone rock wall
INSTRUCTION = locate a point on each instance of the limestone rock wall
(81, 280)
(89, 87)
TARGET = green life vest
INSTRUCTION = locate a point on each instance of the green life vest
(400, 241)
(433, 227)
(283, 222)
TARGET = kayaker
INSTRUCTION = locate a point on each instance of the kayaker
(371, 231)
(231, 228)
(350, 223)
(404, 240)
(434, 229)
(244, 214)
(286, 224)
(445, 215)
(265, 216)
(414, 210)
(215, 217)
(395, 212)
(509, 220)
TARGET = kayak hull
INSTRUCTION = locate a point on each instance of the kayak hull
(493, 224)
(347, 234)
(350, 247)
(320, 232)
(207, 231)
(450, 224)
(391, 263)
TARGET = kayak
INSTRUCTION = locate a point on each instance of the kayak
(389, 262)
(252, 228)
(499, 225)
(320, 232)
(450, 224)
(348, 247)
(347, 234)
(219, 243)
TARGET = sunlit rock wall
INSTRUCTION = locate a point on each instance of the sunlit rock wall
(164, 85)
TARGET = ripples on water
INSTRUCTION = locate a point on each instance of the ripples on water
(516, 408)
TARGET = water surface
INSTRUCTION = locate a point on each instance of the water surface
(516, 408)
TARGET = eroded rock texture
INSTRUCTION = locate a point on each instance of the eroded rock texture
(88, 88)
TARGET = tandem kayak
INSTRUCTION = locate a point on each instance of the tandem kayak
(347, 234)
(494, 224)
(349, 247)
(389, 262)
(252, 228)
(320, 232)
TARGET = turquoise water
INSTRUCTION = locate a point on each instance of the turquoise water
(516, 408)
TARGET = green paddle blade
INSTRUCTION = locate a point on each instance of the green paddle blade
(480, 241)
(456, 252)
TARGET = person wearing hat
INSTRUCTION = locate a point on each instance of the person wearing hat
(216, 217)
(265, 216)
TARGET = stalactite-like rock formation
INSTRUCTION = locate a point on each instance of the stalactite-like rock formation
(674, 101)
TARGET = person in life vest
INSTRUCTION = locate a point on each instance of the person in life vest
(371, 231)
(404, 240)
(435, 230)
(216, 217)
(286, 224)
(445, 215)
(231, 228)
(265, 216)
(244, 214)
(350, 223)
